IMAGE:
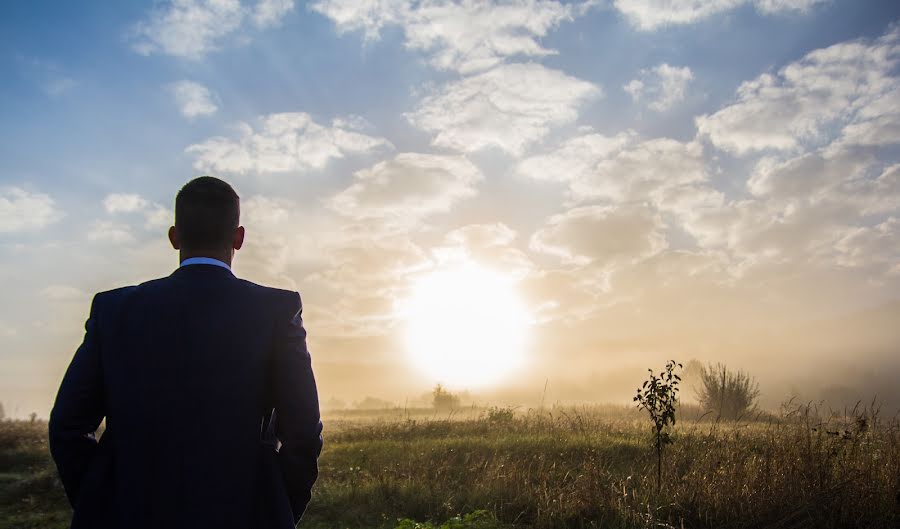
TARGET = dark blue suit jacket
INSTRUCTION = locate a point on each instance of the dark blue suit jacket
(186, 370)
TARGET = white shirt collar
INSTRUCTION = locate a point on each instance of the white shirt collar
(206, 261)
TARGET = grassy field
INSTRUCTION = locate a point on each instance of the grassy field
(560, 468)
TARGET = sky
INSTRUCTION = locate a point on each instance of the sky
(650, 179)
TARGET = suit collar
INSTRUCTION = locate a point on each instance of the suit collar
(203, 269)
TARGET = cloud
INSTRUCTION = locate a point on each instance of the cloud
(466, 37)
(49, 76)
(661, 86)
(649, 15)
(872, 246)
(509, 107)
(849, 86)
(602, 235)
(482, 235)
(408, 187)
(491, 245)
(22, 210)
(798, 211)
(104, 231)
(267, 250)
(123, 203)
(63, 293)
(620, 168)
(284, 142)
(366, 276)
(268, 13)
(155, 216)
(575, 158)
(642, 171)
(194, 28)
(193, 99)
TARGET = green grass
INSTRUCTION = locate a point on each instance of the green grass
(31, 495)
(559, 469)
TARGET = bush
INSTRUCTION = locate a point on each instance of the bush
(730, 394)
(443, 399)
(499, 415)
(476, 520)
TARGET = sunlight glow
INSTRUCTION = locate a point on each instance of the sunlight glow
(466, 326)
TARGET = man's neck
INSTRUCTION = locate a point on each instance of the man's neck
(219, 256)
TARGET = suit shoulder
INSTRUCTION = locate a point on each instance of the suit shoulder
(289, 297)
(107, 296)
(120, 293)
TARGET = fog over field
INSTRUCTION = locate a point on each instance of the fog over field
(526, 201)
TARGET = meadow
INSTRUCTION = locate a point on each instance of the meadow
(558, 468)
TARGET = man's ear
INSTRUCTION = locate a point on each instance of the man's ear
(173, 238)
(238, 240)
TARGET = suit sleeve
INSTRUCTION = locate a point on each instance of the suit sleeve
(298, 427)
(78, 411)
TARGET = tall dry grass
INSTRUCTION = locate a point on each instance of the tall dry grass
(562, 468)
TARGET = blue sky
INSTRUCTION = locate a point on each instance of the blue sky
(656, 177)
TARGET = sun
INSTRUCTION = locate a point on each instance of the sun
(466, 326)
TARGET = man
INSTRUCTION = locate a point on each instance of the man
(187, 371)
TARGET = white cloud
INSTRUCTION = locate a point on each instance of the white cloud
(463, 36)
(509, 107)
(188, 28)
(808, 176)
(268, 245)
(575, 158)
(872, 246)
(284, 142)
(158, 217)
(491, 245)
(652, 14)
(602, 234)
(778, 6)
(408, 187)
(849, 84)
(193, 99)
(661, 87)
(482, 235)
(270, 12)
(193, 28)
(641, 171)
(63, 293)
(799, 211)
(155, 215)
(22, 210)
(620, 168)
(124, 203)
(110, 232)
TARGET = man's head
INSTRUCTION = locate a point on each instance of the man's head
(207, 220)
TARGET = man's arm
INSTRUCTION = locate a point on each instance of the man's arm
(298, 427)
(78, 411)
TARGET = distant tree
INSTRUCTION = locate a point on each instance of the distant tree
(334, 403)
(441, 399)
(690, 375)
(2, 412)
(32, 417)
(659, 396)
(373, 403)
(730, 394)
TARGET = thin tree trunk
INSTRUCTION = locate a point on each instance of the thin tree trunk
(658, 463)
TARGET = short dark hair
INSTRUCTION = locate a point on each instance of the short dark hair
(207, 211)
